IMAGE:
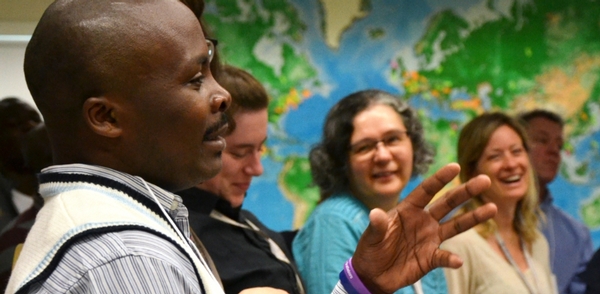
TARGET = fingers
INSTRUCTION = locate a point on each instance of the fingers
(422, 195)
(459, 195)
(443, 258)
(466, 221)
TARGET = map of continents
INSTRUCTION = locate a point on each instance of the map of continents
(451, 59)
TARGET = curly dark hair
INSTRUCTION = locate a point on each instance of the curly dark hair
(329, 159)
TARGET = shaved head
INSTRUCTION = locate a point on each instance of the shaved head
(127, 84)
(80, 46)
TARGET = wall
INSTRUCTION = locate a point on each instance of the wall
(17, 21)
(12, 80)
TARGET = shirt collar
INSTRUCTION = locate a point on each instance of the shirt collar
(169, 201)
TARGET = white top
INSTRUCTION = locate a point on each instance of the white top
(485, 271)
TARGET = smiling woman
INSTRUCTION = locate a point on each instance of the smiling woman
(507, 254)
(372, 145)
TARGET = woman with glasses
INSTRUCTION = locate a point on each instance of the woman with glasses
(506, 254)
(372, 145)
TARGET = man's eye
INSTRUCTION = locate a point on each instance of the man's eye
(197, 82)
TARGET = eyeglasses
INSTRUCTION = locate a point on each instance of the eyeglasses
(212, 47)
(367, 147)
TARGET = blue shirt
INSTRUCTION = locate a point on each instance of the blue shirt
(330, 237)
(570, 247)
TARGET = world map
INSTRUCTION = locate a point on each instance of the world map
(450, 59)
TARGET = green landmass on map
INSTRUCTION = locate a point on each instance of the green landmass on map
(296, 181)
(376, 33)
(518, 56)
(240, 25)
(538, 54)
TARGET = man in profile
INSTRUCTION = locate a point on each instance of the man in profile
(569, 240)
(133, 113)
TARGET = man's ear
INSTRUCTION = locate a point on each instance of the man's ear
(101, 116)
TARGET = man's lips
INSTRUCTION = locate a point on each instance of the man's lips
(217, 130)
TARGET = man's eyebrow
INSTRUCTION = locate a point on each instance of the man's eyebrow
(202, 60)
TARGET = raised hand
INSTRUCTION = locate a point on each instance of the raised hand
(401, 246)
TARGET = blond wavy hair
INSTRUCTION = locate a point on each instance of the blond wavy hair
(472, 141)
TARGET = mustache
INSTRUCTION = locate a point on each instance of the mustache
(217, 126)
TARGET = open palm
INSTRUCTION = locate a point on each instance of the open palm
(401, 246)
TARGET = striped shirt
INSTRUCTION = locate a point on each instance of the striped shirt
(119, 261)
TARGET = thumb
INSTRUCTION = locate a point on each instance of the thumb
(378, 225)
(367, 247)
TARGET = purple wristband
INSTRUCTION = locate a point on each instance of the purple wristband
(351, 281)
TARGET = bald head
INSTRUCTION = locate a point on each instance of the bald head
(82, 49)
(126, 84)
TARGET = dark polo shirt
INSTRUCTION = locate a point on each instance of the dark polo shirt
(242, 256)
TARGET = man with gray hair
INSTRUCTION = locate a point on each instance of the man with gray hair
(569, 240)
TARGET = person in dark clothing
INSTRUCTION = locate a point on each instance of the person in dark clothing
(245, 252)
(17, 181)
(35, 147)
(590, 275)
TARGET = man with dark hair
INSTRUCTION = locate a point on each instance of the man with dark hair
(17, 181)
(37, 155)
(569, 240)
(133, 113)
(246, 253)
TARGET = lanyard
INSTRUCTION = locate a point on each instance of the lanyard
(275, 249)
(530, 287)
